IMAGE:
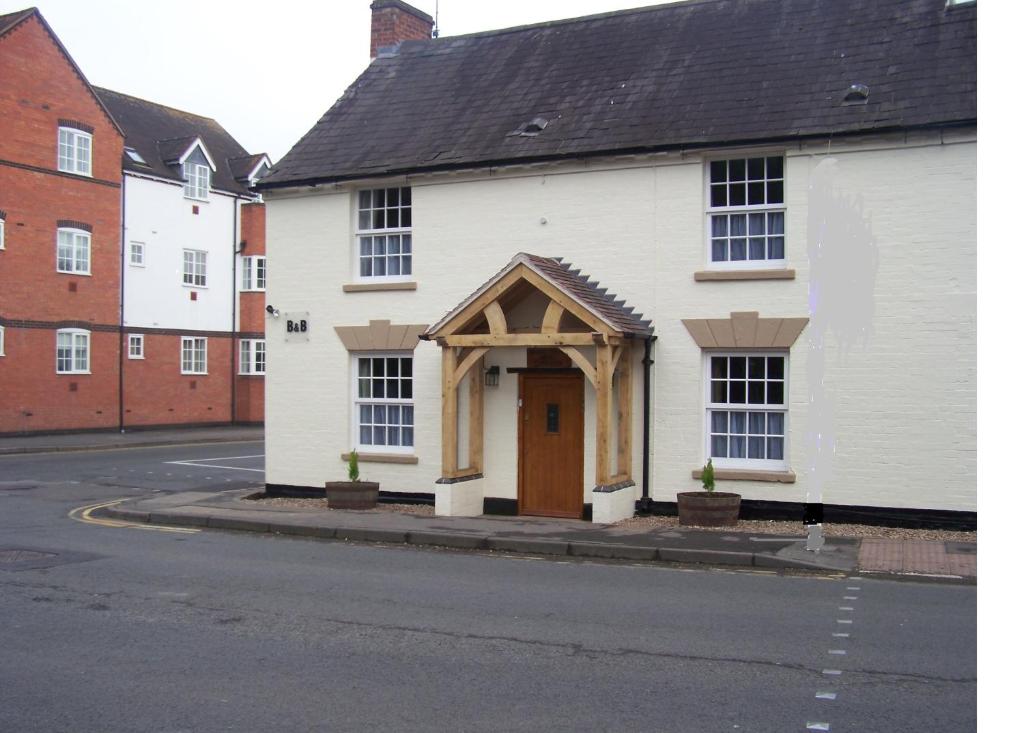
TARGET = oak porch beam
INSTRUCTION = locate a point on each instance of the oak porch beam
(603, 388)
(476, 417)
(469, 359)
(527, 339)
(625, 442)
(496, 318)
(552, 317)
(582, 362)
(449, 415)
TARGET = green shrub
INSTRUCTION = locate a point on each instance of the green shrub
(707, 477)
(353, 466)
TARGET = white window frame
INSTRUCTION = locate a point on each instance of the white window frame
(190, 274)
(763, 464)
(392, 237)
(249, 353)
(357, 402)
(74, 151)
(709, 211)
(189, 345)
(254, 273)
(133, 340)
(197, 181)
(80, 239)
(142, 254)
(2, 332)
(79, 342)
(2, 230)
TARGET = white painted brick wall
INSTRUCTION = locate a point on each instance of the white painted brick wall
(905, 400)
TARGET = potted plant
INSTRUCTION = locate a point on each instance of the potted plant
(354, 493)
(708, 508)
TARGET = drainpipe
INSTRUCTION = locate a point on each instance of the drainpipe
(234, 303)
(120, 309)
(645, 499)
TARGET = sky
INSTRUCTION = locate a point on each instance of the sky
(266, 71)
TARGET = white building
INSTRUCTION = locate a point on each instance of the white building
(187, 186)
(798, 235)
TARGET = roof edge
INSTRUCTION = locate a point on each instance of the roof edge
(604, 152)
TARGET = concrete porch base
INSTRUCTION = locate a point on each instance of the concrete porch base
(463, 499)
(613, 504)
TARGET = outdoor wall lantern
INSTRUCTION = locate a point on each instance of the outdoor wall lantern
(491, 376)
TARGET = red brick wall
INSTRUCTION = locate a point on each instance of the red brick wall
(252, 314)
(157, 393)
(390, 24)
(34, 398)
(40, 87)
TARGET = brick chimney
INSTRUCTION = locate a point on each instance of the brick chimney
(394, 21)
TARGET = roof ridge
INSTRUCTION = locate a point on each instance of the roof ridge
(156, 104)
(578, 19)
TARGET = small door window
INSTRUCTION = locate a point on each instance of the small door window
(552, 412)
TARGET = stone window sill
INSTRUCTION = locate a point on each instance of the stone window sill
(384, 458)
(370, 287)
(742, 474)
(720, 275)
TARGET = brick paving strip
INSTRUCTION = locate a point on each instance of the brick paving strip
(918, 557)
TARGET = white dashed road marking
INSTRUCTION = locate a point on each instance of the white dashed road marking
(822, 695)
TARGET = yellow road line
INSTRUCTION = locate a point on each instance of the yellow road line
(84, 514)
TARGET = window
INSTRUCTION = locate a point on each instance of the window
(74, 151)
(73, 247)
(197, 181)
(383, 404)
(746, 216)
(1, 340)
(254, 273)
(384, 233)
(133, 154)
(72, 351)
(252, 356)
(135, 346)
(1, 232)
(193, 355)
(137, 254)
(194, 269)
(746, 410)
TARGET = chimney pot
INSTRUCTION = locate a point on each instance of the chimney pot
(394, 21)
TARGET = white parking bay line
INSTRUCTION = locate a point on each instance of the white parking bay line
(206, 463)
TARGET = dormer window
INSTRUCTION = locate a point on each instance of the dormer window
(197, 181)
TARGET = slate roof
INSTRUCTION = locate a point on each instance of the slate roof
(243, 166)
(574, 284)
(689, 74)
(161, 134)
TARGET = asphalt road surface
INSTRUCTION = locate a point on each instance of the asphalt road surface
(128, 629)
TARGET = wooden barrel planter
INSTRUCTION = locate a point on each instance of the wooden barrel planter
(352, 494)
(703, 509)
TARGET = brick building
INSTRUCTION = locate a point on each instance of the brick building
(60, 214)
(131, 253)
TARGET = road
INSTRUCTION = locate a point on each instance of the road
(124, 629)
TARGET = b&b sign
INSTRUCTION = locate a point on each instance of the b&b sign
(296, 326)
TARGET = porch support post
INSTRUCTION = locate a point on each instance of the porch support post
(625, 463)
(603, 387)
(449, 414)
(476, 417)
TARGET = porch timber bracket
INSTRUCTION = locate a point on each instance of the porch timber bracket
(578, 316)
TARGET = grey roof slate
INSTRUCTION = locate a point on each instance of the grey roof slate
(161, 134)
(687, 74)
(574, 284)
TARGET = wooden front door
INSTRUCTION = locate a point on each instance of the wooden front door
(551, 444)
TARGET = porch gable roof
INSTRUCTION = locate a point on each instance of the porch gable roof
(594, 300)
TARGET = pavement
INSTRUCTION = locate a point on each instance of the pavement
(114, 440)
(232, 510)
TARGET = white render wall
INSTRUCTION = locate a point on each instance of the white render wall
(158, 214)
(904, 396)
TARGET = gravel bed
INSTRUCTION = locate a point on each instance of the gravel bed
(768, 526)
(285, 502)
